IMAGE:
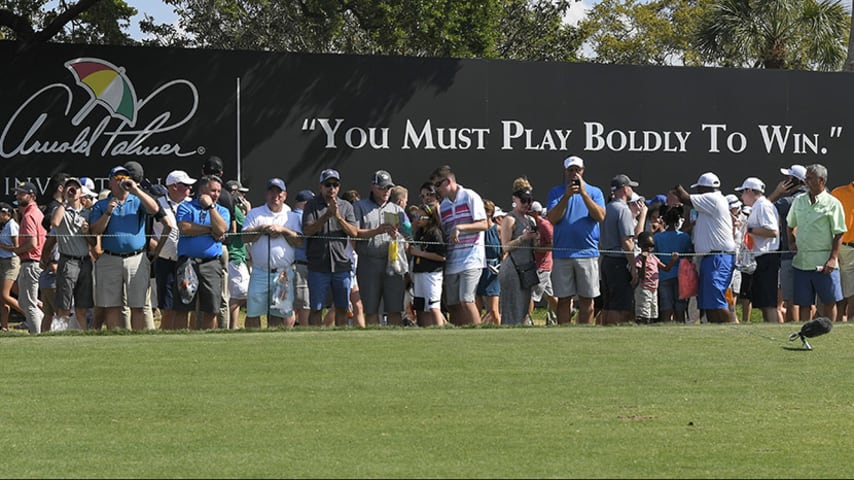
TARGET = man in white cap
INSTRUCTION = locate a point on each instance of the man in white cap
(713, 239)
(543, 257)
(763, 232)
(820, 222)
(178, 186)
(782, 197)
(575, 210)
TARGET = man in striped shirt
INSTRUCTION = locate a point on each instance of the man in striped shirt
(463, 222)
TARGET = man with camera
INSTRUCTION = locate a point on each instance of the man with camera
(575, 210)
(120, 220)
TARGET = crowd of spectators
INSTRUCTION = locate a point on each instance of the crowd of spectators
(195, 253)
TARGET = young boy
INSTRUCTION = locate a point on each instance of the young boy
(646, 290)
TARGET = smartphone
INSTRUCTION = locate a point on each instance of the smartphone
(576, 181)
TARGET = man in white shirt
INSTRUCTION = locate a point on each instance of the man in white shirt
(178, 185)
(763, 231)
(713, 239)
(272, 234)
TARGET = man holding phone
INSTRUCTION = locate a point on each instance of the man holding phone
(782, 197)
(575, 210)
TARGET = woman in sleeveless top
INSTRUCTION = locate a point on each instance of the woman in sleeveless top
(518, 233)
(488, 289)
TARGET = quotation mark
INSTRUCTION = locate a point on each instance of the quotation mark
(310, 126)
(835, 132)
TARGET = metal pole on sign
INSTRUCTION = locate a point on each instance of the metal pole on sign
(239, 160)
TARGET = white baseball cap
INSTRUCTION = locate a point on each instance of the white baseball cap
(797, 171)
(537, 207)
(708, 179)
(733, 201)
(179, 176)
(752, 183)
(573, 161)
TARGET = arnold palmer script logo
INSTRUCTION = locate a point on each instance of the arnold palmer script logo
(112, 97)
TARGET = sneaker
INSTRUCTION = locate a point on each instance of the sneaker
(807, 345)
(794, 336)
(21, 326)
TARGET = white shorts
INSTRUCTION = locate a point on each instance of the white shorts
(428, 286)
(846, 270)
(575, 276)
(238, 281)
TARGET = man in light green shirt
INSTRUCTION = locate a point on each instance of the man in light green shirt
(816, 225)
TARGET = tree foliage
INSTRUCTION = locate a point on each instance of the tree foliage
(796, 34)
(86, 21)
(659, 32)
(522, 29)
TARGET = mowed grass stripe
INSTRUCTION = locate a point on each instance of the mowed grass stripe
(658, 401)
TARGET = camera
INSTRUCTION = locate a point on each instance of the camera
(126, 184)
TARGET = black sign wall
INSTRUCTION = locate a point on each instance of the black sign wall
(84, 109)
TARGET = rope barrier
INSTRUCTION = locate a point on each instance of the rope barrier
(455, 246)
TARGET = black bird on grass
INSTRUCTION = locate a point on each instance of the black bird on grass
(813, 328)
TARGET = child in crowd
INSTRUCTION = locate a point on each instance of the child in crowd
(428, 253)
(646, 289)
(671, 307)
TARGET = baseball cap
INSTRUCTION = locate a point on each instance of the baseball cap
(304, 196)
(88, 183)
(329, 173)
(752, 183)
(136, 171)
(797, 171)
(621, 181)
(278, 183)
(733, 201)
(179, 176)
(708, 179)
(235, 185)
(212, 165)
(499, 212)
(26, 187)
(382, 179)
(657, 199)
(119, 170)
(635, 198)
(5, 207)
(573, 161)
(83, 189)
(537, 207)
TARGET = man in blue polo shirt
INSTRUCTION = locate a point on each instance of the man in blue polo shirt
(120, 219)
(202, 224)
(575, 209)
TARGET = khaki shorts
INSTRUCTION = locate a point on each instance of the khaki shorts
(575, 276)
(646, 303)
(9, 268)
(846, 270)
(114, 275)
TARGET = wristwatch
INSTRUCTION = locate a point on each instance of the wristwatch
(209, 207)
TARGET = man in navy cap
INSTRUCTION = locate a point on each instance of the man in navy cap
(327, 223)
(123, 268)
(272, 234)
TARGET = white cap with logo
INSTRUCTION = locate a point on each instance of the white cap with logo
(179, 176)
(797, 171)
(708, 179)
(752, 183)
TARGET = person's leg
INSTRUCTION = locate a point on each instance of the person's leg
(113, 318)
(28, 293)
(340, 284)
(586, 275)
(234, 305)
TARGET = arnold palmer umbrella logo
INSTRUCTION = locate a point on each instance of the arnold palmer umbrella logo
(112, 122)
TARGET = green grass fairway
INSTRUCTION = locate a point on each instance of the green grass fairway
(694, 401)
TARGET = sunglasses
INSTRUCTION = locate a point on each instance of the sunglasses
(440, 183)
(331, 184)
(526, 201)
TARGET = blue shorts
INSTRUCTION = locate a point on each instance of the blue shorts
(262, 284)
(668, 296)
(488, 284)
(808, 284)
(164, 275)
(319, 284)
(715, 277)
